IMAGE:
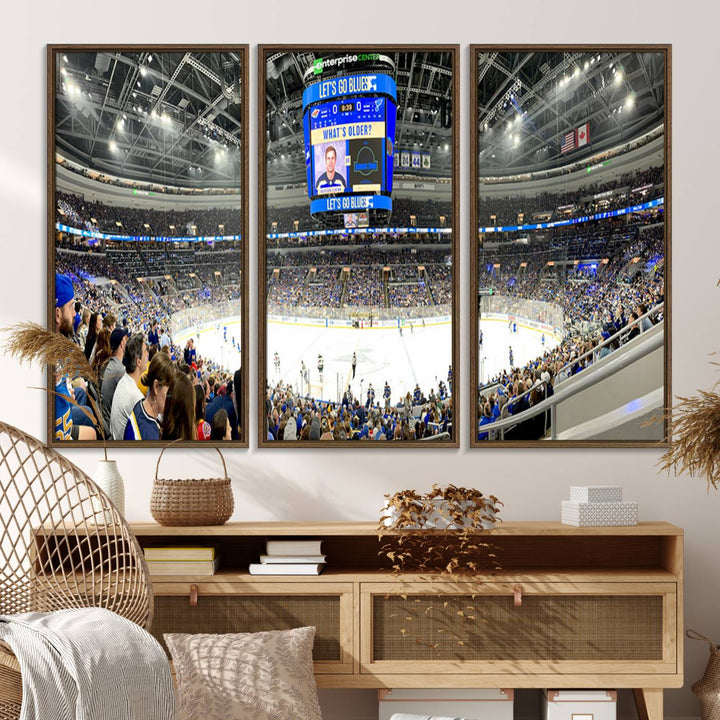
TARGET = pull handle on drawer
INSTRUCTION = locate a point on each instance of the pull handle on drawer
(193, 595)
(517, 593)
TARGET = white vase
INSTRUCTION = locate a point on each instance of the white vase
(109, 480)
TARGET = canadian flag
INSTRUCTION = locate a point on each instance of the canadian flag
(583, 135)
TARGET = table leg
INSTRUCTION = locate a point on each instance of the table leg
(649, 703)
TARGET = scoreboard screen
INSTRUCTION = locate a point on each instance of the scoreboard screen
(349, 129)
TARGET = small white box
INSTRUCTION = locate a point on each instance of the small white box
(595, 514)
(475, 704)
(579, 705)
(596, 493)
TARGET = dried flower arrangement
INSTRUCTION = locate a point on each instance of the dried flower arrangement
(439, 532)
(695, 445)
(30, 342)
(695, 441)
(444, 533)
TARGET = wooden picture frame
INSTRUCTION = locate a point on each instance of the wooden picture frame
(570, 218)
(144, 135)
(348, 300)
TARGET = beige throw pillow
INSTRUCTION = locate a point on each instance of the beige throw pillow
(246, 676)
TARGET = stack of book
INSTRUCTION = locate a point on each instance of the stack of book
(290, 557)
(177, 560)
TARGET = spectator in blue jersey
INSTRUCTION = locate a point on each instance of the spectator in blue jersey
(190, 353)
(330, 180)
(145, 418)
(417, 395)
(64, 295)
(153, 337)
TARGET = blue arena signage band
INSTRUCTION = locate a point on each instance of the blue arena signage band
(362, 231)
(370, 84)
(350, 203)
(575, 221)
(97, 235)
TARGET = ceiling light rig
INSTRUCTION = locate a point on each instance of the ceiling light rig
(508, 97)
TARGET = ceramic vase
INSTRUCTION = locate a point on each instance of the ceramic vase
(108, 479)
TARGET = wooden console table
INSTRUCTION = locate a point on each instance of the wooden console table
(572, 607)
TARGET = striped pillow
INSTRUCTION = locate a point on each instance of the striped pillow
(246, 676)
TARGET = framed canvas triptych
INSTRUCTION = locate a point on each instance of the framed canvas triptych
(358, 245)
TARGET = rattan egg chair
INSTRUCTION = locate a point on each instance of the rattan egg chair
(62, 545)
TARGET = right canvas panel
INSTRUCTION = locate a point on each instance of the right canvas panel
(570, 258)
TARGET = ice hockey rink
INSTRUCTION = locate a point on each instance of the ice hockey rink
(421, 355)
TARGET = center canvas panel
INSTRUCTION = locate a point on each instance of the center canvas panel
(358, 285)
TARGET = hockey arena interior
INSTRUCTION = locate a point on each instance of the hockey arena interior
(360, 243)
(148, 228)
(359, 246)
(570, 247)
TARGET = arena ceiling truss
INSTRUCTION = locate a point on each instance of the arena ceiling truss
(171, 118)
(424, 110)
(528, 102)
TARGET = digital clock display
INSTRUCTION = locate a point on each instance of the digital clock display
(346, 107)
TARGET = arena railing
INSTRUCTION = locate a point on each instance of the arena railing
(584, 381)
(564, 373)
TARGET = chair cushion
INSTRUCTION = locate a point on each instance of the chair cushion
(246, 676)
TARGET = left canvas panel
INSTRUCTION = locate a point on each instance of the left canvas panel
(147, 242)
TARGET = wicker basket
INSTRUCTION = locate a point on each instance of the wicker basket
(707, 688)
(205, 501)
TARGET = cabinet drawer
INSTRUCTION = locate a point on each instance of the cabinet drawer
(227, 607)
(582, 627)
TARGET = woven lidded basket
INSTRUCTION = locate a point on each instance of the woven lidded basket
(203, 501)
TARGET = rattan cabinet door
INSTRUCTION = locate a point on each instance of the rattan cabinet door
(561, 628)
(237, 607)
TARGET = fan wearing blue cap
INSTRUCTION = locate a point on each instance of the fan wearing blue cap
(64, 295)
(65, 429)
(64, 310)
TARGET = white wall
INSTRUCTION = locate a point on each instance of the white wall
(349, 484)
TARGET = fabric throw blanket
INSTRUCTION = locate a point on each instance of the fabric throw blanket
(88, 664)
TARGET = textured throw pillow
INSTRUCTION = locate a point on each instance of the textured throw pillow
(246, 676)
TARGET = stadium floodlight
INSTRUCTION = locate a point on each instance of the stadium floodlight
(65, 58)
(619, 77)
(149, 59)
(630, 101)
(587, 65)
(63, 71)
(143, 71)
(446, 147)
(113, 146)
(577, 72)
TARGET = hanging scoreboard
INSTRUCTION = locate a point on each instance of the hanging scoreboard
(349, 131)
